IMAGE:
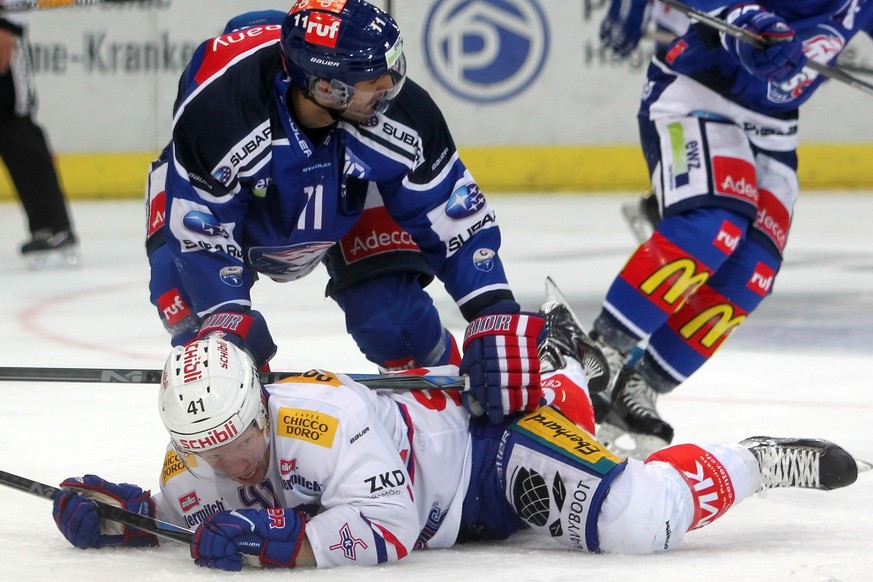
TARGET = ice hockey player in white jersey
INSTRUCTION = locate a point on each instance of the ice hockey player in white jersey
(318, 470)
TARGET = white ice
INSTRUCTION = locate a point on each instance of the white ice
(801, 366)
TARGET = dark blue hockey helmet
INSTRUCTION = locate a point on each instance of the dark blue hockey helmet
(342, 42)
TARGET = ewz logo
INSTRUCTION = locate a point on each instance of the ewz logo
(486, 50)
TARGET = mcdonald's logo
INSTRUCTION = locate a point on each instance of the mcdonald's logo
(717, 322)
(681, 279)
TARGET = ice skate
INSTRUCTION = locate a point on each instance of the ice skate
(50, 249)
(642, 216)
(804, 463)
(616, 361)
(565, 337)
(633, 427)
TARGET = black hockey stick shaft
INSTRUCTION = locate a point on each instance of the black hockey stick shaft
(744, 35)
(105, 510)
(27, 5)
(133, 376)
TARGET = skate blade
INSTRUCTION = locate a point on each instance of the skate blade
(554, 296)
(638, 224)
(61, 259)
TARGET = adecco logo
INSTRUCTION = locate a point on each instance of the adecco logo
(486, 50)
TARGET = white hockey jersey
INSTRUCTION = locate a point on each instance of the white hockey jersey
(379, 473)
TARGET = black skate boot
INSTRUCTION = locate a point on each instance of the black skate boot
(565, 337)
(805, 463)
(634, 414)
(615, 360)
(51, 249)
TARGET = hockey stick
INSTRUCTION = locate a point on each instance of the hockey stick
(26, 5)
(664, 37)
(744, 35)
(129, 376)
(105, 510)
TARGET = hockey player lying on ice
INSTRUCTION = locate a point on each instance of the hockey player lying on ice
(320, 471)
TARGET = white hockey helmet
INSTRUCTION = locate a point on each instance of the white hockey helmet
(210, 394)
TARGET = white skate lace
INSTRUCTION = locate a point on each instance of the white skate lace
(788, 467)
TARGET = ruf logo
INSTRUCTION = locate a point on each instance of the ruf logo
(761, 280)
(322, 29)
(728, 237)
(172, 307)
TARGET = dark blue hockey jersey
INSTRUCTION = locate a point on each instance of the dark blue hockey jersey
(247, 191)
(825, 26)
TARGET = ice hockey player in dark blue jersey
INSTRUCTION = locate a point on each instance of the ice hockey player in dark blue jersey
(719, 130)
(303, 143)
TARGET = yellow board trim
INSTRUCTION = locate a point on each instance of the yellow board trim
(496, 169)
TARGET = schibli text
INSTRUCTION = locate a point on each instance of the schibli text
(213, 438)
(191, 370)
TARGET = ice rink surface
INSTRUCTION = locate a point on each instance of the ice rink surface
(801, 366)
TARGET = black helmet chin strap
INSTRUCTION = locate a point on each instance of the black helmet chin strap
(335, 114)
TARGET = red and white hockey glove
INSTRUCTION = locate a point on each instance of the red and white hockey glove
(500, 358)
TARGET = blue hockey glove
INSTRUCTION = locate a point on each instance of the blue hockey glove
(274, 535)
(76, 516)
(624, 25)
(500, 357)
(778, 62)
(247, 331)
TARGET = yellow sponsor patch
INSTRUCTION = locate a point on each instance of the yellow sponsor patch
(173, 465)
(310, 426)
(312, 377)
(557, 431)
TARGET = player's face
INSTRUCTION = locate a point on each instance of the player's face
(367, 95)
(364, 99)
(245, 459)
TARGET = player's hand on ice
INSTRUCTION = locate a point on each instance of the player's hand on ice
(274, 535)
(778, 62)
(624, 25)
(246, 330)
(500, 358)
(76, 515)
